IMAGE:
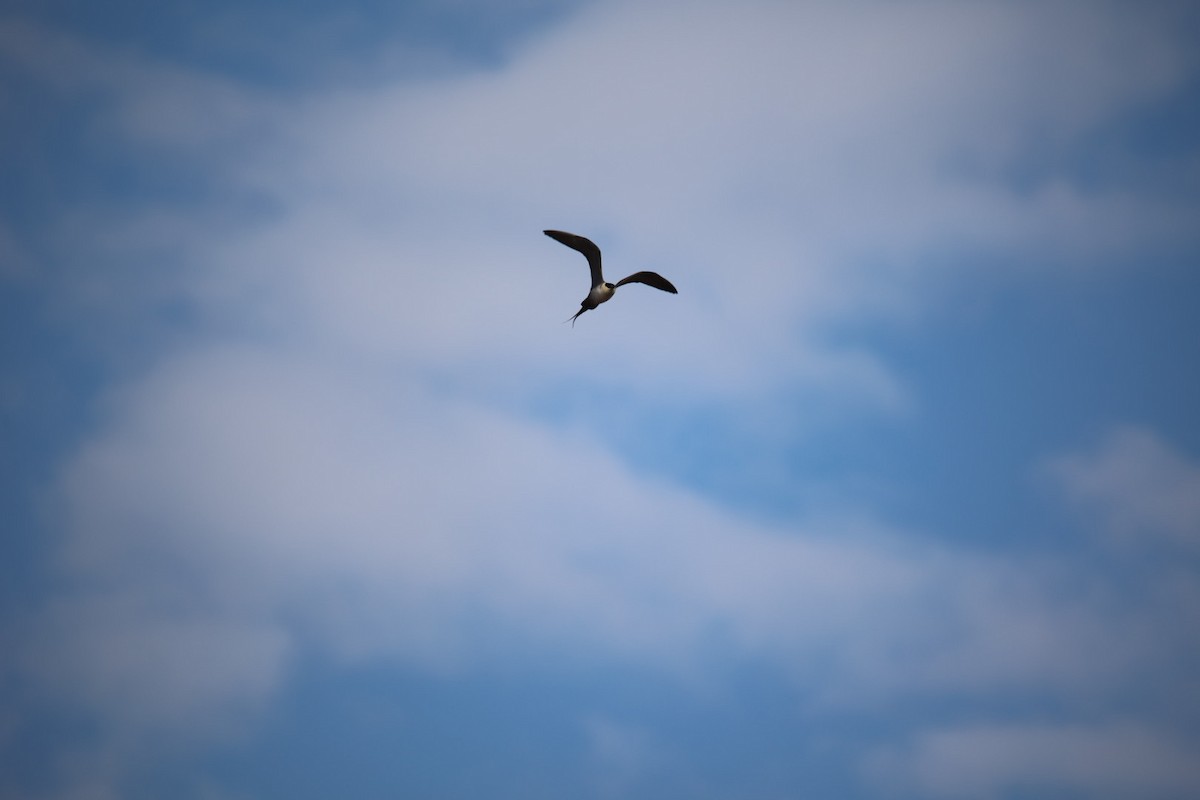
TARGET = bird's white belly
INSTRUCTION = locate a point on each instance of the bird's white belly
(599, 294)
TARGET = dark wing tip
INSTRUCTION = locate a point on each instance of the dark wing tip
(574, 241)
(650, 279)
(584, 245)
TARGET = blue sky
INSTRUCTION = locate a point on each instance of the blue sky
(309, 491)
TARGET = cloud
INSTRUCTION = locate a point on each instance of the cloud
(622, 754)
(1107, 761)
(258, 482)
(1136, 486)
(152, 100)
(775, 161)
(341, 446)
(285, 500)
(790, 124)
(155, 669)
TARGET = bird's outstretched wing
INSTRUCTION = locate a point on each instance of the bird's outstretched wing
(650, 279)
(585, 246)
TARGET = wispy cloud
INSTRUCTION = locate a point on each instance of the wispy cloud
(383, 521)
(1136, 487)
(994, 761)
(335, 439)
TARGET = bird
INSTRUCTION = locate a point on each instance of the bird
(602, 291)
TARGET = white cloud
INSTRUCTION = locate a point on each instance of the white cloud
(833, 130)
(332, 459)
(383, 519)
(1104, 761)
(621, 754)
(155, 101)
(256, 481)
(142, 667)
(787, 165)
(1136, 485)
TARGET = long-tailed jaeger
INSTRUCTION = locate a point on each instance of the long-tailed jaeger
(601, 291)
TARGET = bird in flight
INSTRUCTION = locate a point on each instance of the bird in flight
(601, 291)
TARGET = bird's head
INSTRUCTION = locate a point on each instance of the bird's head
(610, 285)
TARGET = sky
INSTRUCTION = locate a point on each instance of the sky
(309, 491)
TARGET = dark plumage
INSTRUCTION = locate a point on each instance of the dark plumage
(601, 291)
